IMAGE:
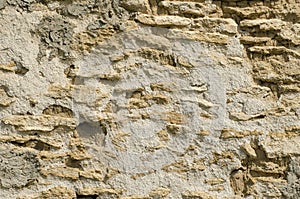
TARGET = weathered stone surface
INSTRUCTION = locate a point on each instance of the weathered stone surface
(136, 5)
(249, 150)
(100, 192)
(196, 195)
(55, 192)
(148, 99)
(5, 100)
(39, 123)
(56, 35)
(224, 26)
(175, 21)
(19, 168)
(191, 8)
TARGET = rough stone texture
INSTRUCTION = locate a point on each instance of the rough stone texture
(149, 99)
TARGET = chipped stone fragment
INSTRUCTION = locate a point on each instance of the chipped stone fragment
(254, 40)
(273, 50)
(10, 67)
(203, 133)
(237, 182)
(204, 103)
(92, 174)
(198, 164)
(248, 12)
(101, 192)
(174, 129)
(163, 135)
(136, 5)
(59, 92)
(214, 181)
(55, 192)
(5, 99)
(291, 34)
(63, 172)
(165, 21)
(38, 143)
(136, 197)
(240, 116)
(232, 133)
(264, 24)
(249, 150)
(196, 195)
(180, 166)
(187, 8)
(159, 192)
(224, 26)
(38, 123)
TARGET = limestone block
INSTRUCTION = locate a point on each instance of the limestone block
(249, 150)
(38, 123)
(189, 8)
(55, 192)
(136, 5)
(197, 194)
(169, 21)
(264, 24)
(5, 100)
(224, 26)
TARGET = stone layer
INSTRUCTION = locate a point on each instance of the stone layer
(149, 99)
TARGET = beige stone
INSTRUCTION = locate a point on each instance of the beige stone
(249, 150)
(39, 123)
(214, 181)
(55, 192)
(189, 8)
(149, 99)
(224, 26)
(172, 21)
(136, 5)
(197, 194)
(5, 100)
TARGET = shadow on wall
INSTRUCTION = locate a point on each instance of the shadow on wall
(87, 129)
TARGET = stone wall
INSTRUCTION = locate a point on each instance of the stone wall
(149, 99)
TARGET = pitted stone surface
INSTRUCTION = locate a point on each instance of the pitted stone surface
(151, 99)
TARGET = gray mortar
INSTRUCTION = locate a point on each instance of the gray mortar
(57, 35)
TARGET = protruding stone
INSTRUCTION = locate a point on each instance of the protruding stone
(204, 103)
(196, 195)
(264, 24)
(224, 26)
(189, 8)
(237, 182)
(136, 5)
(165, 21)
(214, 181)
(111, 193)
(249, 150)
(232, 133)
(5, 100)
(39, 123)
(55, 192)
(159, 193)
